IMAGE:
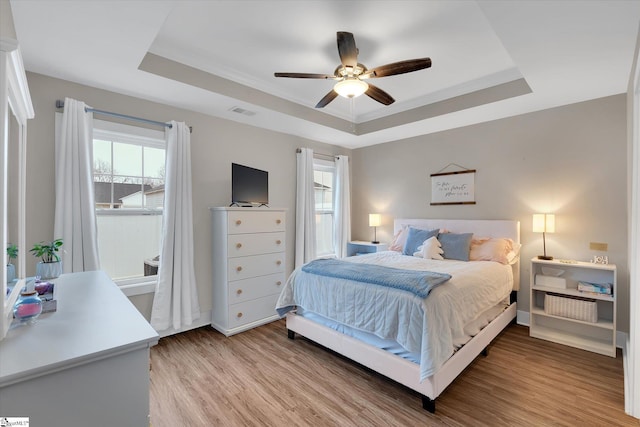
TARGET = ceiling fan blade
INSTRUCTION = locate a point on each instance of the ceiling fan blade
(327, 99)
(305, 75)
(400, 67)
(379, 95)
(347, 49)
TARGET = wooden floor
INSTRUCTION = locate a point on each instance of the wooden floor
(261, 378)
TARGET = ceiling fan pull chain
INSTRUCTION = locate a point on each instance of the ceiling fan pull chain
(352, 115)
(351, 109)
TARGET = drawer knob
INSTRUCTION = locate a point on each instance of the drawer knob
(278, 221)
(278, 242)
(239, 315)
(239, 291)
(278, 283)
(238, 222)
(238, 268)
(278, 262)
(238, 245)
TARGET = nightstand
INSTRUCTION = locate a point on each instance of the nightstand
(359, 247)
(554, 303)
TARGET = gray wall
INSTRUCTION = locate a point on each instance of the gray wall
(215, 143)
(6, 20)
(568, 160)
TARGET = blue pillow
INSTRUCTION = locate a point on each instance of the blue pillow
(415, 238)
(456, 246)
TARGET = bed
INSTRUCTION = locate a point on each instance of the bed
(412, 350)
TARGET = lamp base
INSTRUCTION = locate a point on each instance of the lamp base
(545, 257)
(375, 242)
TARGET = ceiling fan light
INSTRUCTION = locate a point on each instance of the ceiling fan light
(351, 87)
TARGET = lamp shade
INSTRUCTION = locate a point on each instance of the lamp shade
(351, 87)
(375, 220)
(544, 223)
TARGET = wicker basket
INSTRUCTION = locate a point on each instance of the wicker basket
(578, 308)
(151, 266)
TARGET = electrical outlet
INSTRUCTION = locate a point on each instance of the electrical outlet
(595, 246)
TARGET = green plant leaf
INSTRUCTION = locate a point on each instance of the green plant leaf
(47, 251)
(12, 251)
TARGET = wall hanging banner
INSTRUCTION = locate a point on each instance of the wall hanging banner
(453, 188)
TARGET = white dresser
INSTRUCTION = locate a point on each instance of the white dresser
(86, 364)
(248, 266)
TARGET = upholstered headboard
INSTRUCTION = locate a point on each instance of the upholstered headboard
(479, 227)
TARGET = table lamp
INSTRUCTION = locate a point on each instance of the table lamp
(544, 223)
(375, 220)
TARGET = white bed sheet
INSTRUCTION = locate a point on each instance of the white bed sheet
(475, 286)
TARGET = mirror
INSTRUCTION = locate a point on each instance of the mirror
(15, 110)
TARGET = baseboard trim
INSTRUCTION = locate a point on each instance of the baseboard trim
(522, 318)
(622, 339)
(204, 320)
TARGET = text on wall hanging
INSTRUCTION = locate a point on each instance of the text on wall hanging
(453, 188)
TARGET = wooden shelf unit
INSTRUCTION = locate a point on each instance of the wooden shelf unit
(598, 337)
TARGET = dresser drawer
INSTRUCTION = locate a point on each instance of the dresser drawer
(255, 265)
(250, 311)
(255, 222)
(255, 244)
(255, 287)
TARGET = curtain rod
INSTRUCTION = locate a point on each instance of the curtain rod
(60, 104)
(315, 154)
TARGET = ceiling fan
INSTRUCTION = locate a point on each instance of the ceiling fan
(350, 74)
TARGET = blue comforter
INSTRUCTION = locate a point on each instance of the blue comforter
(431, 327)
(418, 283)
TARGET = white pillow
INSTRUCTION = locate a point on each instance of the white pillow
(398, 241)
(430, 249)
(514, 255)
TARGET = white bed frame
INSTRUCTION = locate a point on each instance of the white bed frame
(402, 370)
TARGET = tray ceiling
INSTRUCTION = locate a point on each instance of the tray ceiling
(491, 59)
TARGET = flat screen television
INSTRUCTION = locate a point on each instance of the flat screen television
(249, 186)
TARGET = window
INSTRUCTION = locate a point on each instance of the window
(323, 177)
(128, 175)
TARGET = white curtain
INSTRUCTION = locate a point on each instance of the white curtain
(175, 302)
(342, 206)
(75, 215)
(305, 209)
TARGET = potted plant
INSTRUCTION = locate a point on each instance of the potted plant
(12, 253)
(50, 265)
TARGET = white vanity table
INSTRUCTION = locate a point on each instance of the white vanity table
(86, 364)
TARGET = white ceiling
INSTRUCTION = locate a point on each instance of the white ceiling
(491, 59)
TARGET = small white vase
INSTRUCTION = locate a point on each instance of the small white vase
(11, 273)
(49, 270)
